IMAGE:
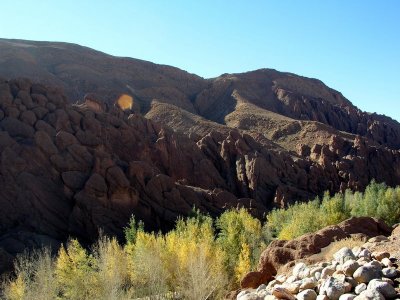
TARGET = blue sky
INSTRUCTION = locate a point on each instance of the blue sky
(351, 45)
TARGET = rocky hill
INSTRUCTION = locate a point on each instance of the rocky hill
(71, 165)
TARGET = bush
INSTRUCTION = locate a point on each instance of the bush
(74, 270)
(242, 238)
(34, 278)
(377, 201)
(199, 259)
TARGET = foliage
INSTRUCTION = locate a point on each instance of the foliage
(200, 258)
(241, 236)
(132, 229)
(377, 201)
(35, 277)
(74, 269)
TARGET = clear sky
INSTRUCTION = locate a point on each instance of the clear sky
(351, 45)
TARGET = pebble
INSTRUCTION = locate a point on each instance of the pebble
(281, 278)
(301, 271)
(360, 288)
(292, 288)
(352, 281)
(349, 267)
(370, 295)
(261, 287)
(347, 296)
(291, 279)
(343, 255)
(318, 275)
(308, 283)
(375, 264)
(380, 255)
(315, 270)
(333, 288)
(328, 271)
(272, 283)
(366, 274)
(250, 296)
(356, 250)
(282, 293)
(386, 289)
(353, 274)
(389, 272)
(364, 253)
(308, 294)
(347, 287)
(386, 262)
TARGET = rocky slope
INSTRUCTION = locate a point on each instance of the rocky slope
(262, 139)
(367, 272)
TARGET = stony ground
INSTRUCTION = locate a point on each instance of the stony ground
(370, 271)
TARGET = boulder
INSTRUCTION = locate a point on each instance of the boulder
(279, 253)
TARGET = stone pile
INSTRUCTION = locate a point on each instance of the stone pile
(352, 274)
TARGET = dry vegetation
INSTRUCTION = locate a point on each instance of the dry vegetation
(200, 259)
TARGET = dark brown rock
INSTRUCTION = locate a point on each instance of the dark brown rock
(65, 139)
(45, 143)
(28, 117)
(16, 128)
(75, 180)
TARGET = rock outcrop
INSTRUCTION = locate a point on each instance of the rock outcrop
(74, 169)
(154, 141)
(279, 253)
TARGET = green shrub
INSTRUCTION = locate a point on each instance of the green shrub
(377, 201)
(241, 237)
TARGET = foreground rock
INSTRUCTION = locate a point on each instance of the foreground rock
(279, 253)
(336, 286)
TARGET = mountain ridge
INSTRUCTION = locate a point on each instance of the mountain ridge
(71, 164)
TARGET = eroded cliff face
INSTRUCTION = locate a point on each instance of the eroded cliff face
(260, 139)
(70, 170)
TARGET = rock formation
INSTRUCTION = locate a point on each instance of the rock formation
(369, 271)
(87, 139)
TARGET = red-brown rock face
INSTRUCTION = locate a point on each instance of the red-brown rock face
(72, 170)
(260, 139)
